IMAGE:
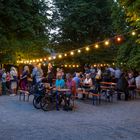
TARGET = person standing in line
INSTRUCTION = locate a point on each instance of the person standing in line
(13, 80)
(3, 82)
(24, 78)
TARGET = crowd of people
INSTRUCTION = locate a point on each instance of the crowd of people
(89, 78)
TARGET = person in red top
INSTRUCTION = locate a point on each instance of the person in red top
(70, 84)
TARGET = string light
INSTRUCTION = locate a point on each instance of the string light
(49, 58)
(118, 39)
(96, 46)
(60, 56)
(87, 48)
(79, 51)
(133, 33)
(77, 66)
(72, 53)
(65, 65)
(54, 57)
(73, 66)
(107, 43)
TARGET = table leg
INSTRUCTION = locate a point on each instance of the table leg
(57, 108)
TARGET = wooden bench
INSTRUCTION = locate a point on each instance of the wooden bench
(23, 93)
(96, 97)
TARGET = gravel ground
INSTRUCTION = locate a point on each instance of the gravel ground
(119, 120)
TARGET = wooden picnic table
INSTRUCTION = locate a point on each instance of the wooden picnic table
(59, 90)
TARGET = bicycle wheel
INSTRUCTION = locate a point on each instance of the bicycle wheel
(36, 102)
(46, 104)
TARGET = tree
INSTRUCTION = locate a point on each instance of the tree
(23, 29)
(130, 53)
(83, 22)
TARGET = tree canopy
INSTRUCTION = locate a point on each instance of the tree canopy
(23, 29)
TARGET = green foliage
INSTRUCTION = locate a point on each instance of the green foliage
(130, 52)
(23, 29)
(83, 22)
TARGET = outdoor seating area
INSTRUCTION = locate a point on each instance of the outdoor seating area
(64, 89)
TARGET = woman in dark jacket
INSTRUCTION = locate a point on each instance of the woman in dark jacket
(122, 86)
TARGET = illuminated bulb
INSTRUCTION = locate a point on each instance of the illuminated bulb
(65, 65)
(79, 51)
(77, 66)
(101, 65)
(21, 61)
(69, 65)
(45, 59)
(49, 58)
(113, 63)
(17, 61)
(40, 59)
(133, 33)
(95, 65)
(73, 66)
(87, 48)
(54, 57)
(96, 46)
(33, 60)
(37, 60)
(65, 54)
(27, 61)
(106, 43)
(60, 56)
(44, 64)
(72, 53)
(118, 39)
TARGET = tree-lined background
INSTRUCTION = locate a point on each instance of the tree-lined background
(32, 29)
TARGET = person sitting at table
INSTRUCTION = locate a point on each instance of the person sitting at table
(71, 84)
(60, 83)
